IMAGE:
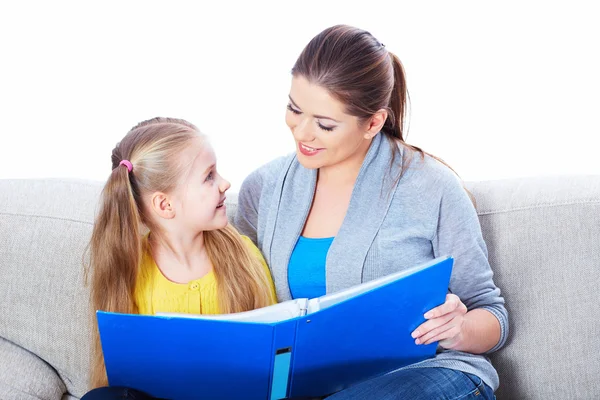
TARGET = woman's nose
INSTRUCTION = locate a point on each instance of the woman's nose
(303, 131)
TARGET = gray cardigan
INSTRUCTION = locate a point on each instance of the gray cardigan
(391, 224)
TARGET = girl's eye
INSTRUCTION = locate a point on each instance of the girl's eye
(325, 128)
(209, 177)
(292, 109)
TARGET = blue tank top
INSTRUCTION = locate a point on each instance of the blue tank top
(306, 270)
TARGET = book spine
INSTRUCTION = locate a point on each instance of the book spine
(303, 307)
(284, 341)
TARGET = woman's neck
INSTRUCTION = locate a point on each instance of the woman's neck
(345, 172)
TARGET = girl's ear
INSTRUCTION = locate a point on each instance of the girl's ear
(161, 205)
(375, 123)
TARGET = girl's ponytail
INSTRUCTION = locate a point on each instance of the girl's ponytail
(115, 254)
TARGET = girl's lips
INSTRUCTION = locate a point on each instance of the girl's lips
(307, 150)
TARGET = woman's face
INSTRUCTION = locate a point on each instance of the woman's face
(325, 135)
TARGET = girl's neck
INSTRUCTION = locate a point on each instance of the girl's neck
(180, 258)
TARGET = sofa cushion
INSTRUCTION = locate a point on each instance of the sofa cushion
(543, 237)
(25, 376)
(45, 226)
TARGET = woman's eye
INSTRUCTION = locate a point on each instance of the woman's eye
(210, 176)
(325, 128)
(292, 109)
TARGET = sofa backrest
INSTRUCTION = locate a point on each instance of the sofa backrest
(45, 226)
(543, 238)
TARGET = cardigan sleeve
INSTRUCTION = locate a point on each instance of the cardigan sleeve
(246, 216)
(458, 234)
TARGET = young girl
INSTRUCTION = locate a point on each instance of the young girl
(164, 180)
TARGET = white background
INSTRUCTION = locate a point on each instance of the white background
(498, 89)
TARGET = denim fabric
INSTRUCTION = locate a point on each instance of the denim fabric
(419, 384)
(411, 384)
(116, 393)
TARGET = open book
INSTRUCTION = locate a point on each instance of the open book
(300, 307)
(300, 347)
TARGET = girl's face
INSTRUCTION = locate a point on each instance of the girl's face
(199, 197)
(325, 135)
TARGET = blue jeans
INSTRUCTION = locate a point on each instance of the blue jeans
(412, 384)
(419, 384)
(115, 393)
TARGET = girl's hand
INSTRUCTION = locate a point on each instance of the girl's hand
(445, 324)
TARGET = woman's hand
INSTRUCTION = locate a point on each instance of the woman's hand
(445, 324)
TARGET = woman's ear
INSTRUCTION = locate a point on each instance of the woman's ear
(375, 123)
(161, 205)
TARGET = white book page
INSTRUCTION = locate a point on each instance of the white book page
(271, 314)
(328, 300)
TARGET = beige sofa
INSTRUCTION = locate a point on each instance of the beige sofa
(543, 237)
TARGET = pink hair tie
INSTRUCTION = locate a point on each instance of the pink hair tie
(127, 164)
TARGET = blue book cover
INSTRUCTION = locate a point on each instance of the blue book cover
(302, 347)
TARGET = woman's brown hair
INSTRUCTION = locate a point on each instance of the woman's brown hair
(357, 70)
(117, 246)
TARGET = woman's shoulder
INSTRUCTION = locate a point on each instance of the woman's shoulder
(429, 179)
(266, 174)
(426, 171)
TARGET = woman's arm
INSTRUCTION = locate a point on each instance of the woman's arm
(246, 216)
(480, 333)
(475, 331)
(473, 318)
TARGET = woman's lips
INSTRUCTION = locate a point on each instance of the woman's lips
(307, 150)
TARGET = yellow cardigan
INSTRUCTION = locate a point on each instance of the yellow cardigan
(154, 293)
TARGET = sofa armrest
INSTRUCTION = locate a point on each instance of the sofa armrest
(25, 376)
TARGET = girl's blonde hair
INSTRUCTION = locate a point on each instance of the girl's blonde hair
(154, 147)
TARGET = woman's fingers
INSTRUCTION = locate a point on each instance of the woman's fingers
(444, 332)
(444, 323)
(453, 338)
(451, 303)
(424, 331)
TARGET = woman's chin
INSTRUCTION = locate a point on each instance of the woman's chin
(308, 162)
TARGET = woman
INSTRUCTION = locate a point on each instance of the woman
(355, 202)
